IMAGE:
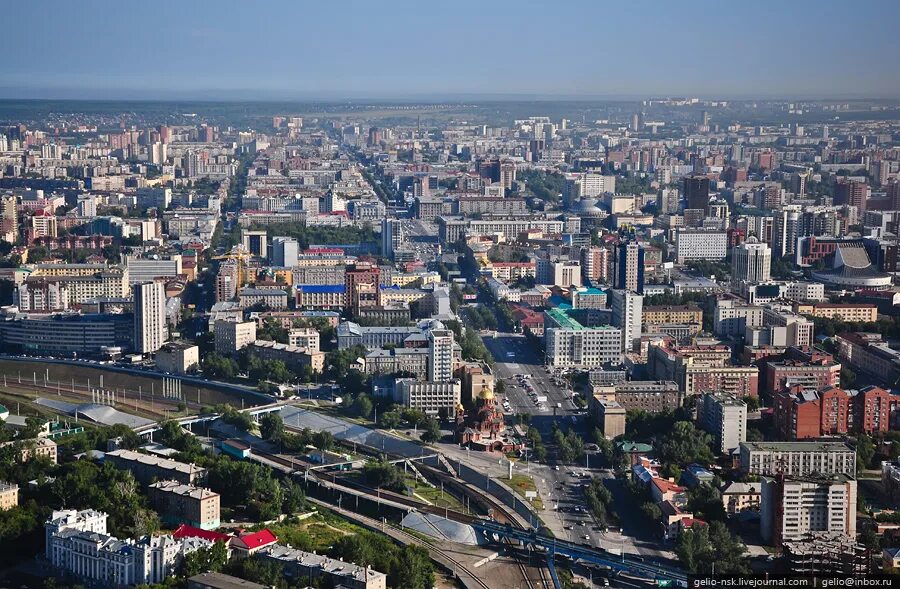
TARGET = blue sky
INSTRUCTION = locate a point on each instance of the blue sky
(394, 49)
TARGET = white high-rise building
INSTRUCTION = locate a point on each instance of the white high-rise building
(284, 252)
(627, 315)
(391, 236)
(751, 262)
(149, 317)
(667, 201)
(440, 355)
(790, 508)
(725, 417)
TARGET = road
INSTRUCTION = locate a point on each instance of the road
(516, 355)
(561, 492)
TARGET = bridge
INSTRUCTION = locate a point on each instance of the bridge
(189, 420)
(554, 546)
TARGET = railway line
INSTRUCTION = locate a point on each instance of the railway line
(499, 511)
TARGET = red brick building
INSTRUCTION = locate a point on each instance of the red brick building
(807, 414)
(872, 410)
(814, 370)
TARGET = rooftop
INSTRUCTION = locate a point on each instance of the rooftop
(797, 446)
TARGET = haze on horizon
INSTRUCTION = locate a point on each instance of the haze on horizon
(281, 49)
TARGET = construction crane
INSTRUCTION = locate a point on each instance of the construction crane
(241, 256)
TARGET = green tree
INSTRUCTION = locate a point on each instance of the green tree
(362, 406)
(705, 501)
(414, 569)
(865, 451)
(431, 431)
(685, 444)
(390, 420)
(271, 426)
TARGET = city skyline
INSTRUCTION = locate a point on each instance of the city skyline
(365, 51)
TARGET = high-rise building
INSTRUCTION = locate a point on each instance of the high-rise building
(851, 192)
(595, 263)
(440, 355)
(149, 317)
(284, 251)
(725, 417)
(798, 182)
(627, 308)
(630, 267)
(255, 241)
(9, 220)
(667, 201)
(791, 508)
(751, 262)
(362, 287)
(391, 236)
(785, 230)
(696, 192)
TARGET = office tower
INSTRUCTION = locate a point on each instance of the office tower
(362, 287)
(255, 242)
(785, 230)
(630, 267)
(284, 251)
(851, 192)
(391, 237)
(9, 220)
(627, 314)
(751, 261)
(636, 122)
(696, 192)
(440, 355)
(149, 317)
(667, 201)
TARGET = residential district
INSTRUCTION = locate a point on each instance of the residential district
(440, 345)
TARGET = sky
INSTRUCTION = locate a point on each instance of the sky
(399, 49)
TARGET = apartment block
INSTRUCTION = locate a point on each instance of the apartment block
(147, 469)
(793, 507)
(797, 458)
(725, 417)
(178, 503)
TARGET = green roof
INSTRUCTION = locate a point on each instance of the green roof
(626, 446)
(563, 319)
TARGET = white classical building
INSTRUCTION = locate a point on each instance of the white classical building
(77, 542)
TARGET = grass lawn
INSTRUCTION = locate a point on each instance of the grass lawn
(522, 483)
(433, 495)
(316, 533)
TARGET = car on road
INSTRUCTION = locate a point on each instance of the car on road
(587, 537)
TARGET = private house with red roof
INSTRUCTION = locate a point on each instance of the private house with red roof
(672, 516)
(663, 490)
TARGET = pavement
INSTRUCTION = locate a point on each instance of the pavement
(515, 355)
(561, 493)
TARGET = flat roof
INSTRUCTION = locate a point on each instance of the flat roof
(799, 446)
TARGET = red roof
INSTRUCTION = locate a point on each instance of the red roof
(258, 539)
(186, 531)
(689, 522)
(665, 486)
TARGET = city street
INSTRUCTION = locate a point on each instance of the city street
(516, 355)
